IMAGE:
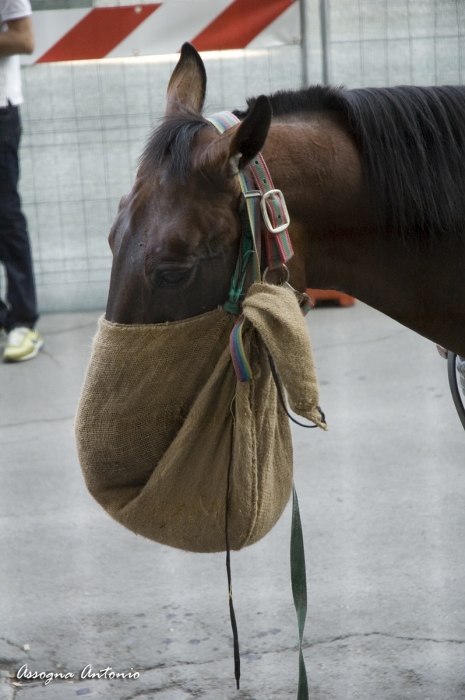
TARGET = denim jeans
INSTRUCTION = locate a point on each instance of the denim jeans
(20, 308)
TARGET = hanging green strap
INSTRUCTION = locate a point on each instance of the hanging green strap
(279, 250)
(299, 589)
(247, 255)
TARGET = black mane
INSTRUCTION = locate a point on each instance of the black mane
(174, 137)
(411, 142)
(412, 148)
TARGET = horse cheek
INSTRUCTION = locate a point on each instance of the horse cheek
(127, 296)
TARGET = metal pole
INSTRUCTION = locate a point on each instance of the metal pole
(304, 42)
(324, 28)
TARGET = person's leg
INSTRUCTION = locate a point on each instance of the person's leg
(15, 252)
(3, 315)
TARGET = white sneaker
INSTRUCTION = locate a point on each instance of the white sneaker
(22, 344)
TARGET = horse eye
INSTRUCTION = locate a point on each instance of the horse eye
(172, 278)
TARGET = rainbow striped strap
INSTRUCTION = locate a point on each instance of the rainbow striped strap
(305, 303)
(278, 245)
(238, 355)
(223, 121)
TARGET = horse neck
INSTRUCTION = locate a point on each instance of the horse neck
(316, 164)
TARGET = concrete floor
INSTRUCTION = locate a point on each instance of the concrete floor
(382, 497)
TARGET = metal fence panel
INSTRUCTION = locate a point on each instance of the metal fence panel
(392, 42)
(85, 122)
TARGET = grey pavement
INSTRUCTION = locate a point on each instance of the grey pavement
(382, 497)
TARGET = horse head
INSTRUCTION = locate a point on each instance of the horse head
(175, 237)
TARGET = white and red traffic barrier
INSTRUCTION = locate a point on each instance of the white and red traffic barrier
(160, 28)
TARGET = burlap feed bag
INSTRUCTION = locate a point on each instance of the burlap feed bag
(161, 414)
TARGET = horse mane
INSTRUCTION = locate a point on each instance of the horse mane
(412, 147)
(173, 137)
(411, 142)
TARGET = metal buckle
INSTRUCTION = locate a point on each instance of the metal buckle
(266, 217)
(284, 282)
(252, 193)
(303, 299)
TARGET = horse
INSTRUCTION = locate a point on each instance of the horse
(374, 181)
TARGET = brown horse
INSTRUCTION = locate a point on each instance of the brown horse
(374, 180)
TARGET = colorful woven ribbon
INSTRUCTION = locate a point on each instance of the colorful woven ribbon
(278, 245)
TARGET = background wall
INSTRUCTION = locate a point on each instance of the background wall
(392, 42)
(85, 122)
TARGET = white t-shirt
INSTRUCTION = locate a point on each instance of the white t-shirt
(10, 70)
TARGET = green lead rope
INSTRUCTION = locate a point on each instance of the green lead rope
(299, 588)
(232, 614)
(246, 256)
(279, 250)
(298, 571)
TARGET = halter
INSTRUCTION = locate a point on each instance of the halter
(279, 250)
(270, 202)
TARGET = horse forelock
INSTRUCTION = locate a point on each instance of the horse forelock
(412, 148)
(173, 137)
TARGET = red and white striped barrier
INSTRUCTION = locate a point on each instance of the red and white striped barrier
(160, 28)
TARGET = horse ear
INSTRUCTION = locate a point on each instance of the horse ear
(188, 82)
(251, 134)
(238, 145)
